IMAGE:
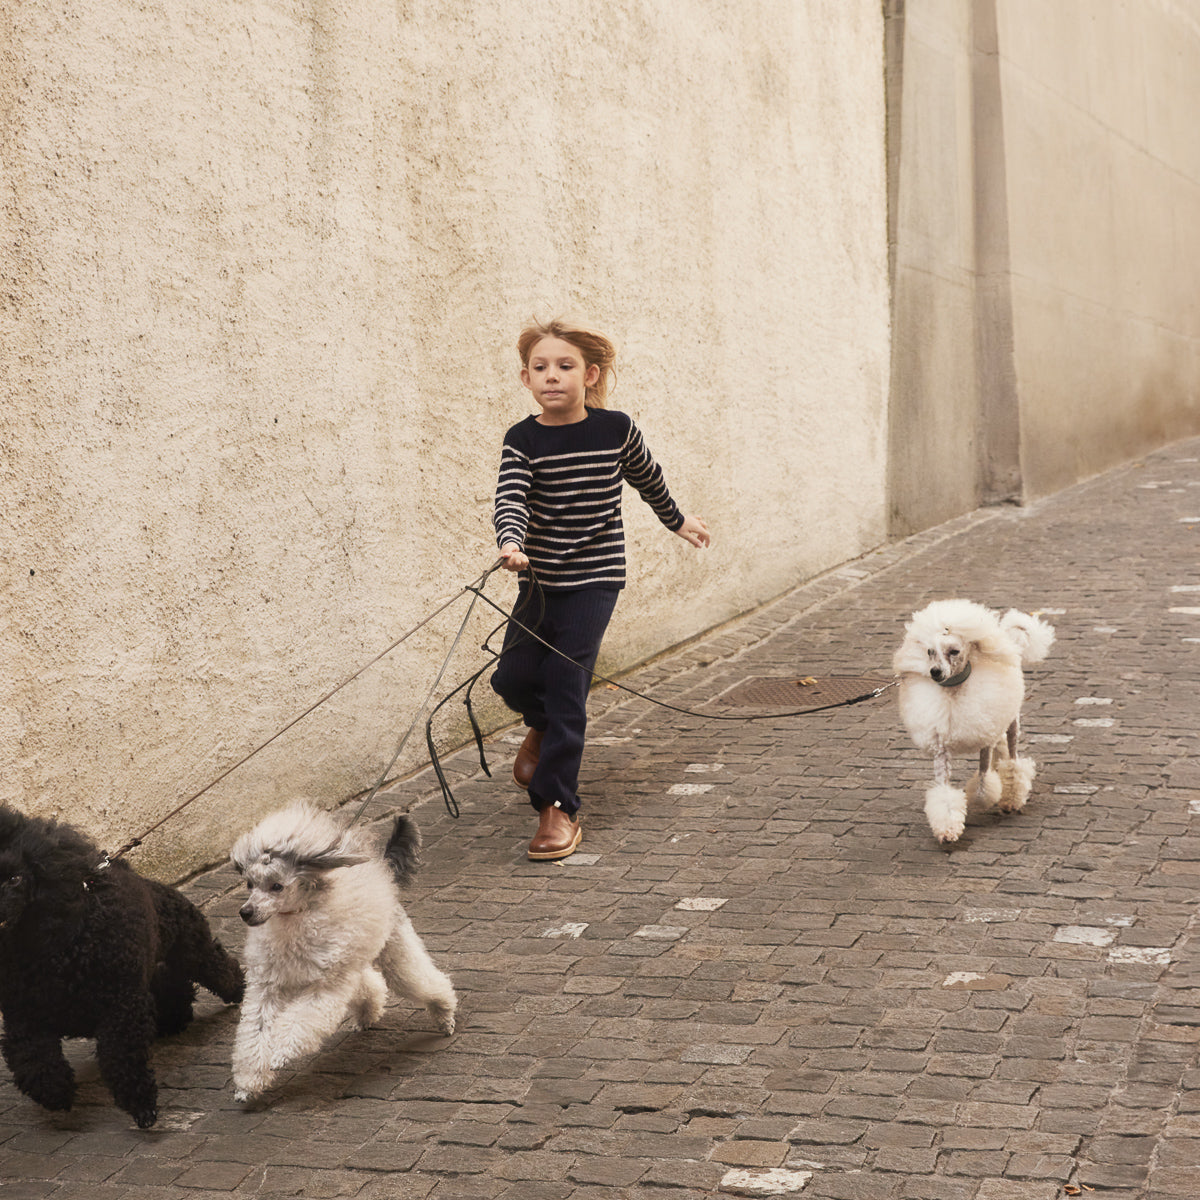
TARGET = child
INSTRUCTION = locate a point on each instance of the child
(558, 510)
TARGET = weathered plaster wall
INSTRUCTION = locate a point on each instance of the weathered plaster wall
(1045, 216)
(264, 265)
(1100, 100)
(934, 399)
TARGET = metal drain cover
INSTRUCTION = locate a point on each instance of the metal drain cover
(807, 691)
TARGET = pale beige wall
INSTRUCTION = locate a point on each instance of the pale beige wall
(934, 401)
(1100, 100)
(1045, 216)
(264, 267)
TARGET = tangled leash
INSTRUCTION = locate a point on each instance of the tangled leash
(137, 841)
(476, 589)
(512, 619)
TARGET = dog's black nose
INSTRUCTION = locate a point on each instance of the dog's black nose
(247, 914)
(936, 673)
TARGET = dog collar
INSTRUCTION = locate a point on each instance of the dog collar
(955, 680)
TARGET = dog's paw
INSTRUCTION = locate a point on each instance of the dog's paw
(145, 1117)
(443, 1015)
(946, 811)
(247, 1090)
(983, 795)
(249, 1085)
(1017, 775)
(367, 1010)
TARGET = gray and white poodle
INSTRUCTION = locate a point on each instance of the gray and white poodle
(328, 937)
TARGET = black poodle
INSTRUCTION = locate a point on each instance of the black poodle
(93, 950)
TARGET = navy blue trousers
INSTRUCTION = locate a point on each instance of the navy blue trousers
(549, 692)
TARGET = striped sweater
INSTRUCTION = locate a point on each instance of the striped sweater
(559, 496)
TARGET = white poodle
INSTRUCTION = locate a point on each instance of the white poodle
(961, 689)
(328, 937)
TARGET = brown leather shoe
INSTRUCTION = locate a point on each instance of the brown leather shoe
(557, 835)
(526, 761)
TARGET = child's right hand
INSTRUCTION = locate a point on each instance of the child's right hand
(512, 557)
(694, 531)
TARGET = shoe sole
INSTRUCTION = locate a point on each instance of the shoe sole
(549, 855)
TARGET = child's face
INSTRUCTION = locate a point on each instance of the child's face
(559, 378)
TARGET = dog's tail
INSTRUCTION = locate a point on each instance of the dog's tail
(403, 849)
(1031, 634)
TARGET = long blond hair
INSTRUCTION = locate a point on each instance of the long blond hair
(596, 349)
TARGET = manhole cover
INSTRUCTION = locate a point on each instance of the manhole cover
(806, 691)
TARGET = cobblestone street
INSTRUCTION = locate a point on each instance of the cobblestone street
(761, 975)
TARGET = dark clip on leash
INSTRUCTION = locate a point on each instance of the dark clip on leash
(447, 795)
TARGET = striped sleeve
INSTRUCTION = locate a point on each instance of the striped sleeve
(511, 516)
(645, 475)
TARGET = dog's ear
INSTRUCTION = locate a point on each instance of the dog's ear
(331, 858)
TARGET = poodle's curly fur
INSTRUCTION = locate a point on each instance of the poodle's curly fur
(328, 937)
(94, 951)
(961, 689)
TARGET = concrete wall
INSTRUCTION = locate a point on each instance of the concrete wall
(934, 430)
(1103, 150)
(264, 265)
(1045, 214)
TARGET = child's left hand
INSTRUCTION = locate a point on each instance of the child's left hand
(694, 531)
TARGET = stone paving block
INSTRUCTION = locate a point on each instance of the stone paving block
(1003, 1189)
(148, 1173)
(321, 1185)
(851, 1185)
(1170, 1183)
(672, 1173)
(607, 1172)
(214, 1176)
(1123, 1150)
(980, 1164)
(475, 1188)
(997, 1116)
(461, 1160)
(384, 1155)
(82, 1191)
(1112, 1175)
(871, 1108)
(537, 1190)
(17, 1165)
(1069, 1121)
(937, 1188)
(900, 1134)
(745, 1153)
